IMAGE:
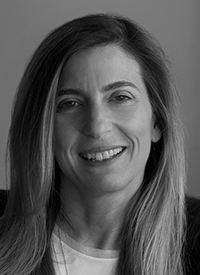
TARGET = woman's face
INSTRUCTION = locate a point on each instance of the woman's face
(104, 124)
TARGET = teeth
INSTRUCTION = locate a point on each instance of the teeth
(106, 155)
(100, 156)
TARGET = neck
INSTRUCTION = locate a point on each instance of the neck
(90, 220)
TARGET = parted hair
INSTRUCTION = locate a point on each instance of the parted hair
(152, 235)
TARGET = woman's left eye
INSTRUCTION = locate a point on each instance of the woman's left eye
(121, 98)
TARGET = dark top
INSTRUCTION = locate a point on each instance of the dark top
(192, 243)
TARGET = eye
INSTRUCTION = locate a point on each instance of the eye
(68, 105)
(122, 98)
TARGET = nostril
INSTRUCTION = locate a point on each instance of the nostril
(96, 128)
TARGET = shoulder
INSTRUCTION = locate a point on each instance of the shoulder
(193, 217)
(192, 244)
(3, 201)
(192, 205)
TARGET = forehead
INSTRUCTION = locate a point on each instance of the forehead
(103, 64)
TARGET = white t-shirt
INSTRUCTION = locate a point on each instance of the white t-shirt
(74, 259)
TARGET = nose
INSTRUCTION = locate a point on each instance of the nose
(97, 122)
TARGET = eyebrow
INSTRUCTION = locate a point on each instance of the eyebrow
(119, 84)
(106, 88)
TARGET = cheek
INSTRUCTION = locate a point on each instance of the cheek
(62, 147)
(139, 126)
(139, 131)
(63, 136)
(64, 130)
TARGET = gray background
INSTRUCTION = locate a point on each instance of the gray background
(175, 23)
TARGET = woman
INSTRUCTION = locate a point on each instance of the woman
(97, 169)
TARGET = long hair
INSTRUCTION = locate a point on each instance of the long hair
(152, 236)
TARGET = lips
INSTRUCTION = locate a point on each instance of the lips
(102, 155)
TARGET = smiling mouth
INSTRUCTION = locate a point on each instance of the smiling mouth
(104, 155)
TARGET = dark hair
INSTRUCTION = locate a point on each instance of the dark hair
(153, 225)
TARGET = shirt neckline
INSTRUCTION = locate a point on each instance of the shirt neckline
(80, 248)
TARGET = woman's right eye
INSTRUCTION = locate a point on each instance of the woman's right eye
(68, 105)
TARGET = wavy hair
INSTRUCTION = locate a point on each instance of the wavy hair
(152, 236)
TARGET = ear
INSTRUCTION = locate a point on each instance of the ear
(156, 133)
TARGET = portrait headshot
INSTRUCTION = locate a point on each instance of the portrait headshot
(97, 157)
